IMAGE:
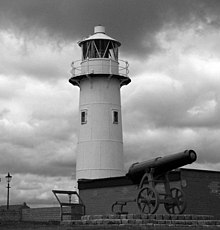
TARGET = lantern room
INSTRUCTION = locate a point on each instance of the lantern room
(100, 55)
(99, 45)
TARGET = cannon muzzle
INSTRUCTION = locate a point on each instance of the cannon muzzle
(161, 165)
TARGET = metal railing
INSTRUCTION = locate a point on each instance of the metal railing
(78, 69)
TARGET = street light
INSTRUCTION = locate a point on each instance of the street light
(8, 179)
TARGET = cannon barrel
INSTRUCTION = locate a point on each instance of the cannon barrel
(161, 165)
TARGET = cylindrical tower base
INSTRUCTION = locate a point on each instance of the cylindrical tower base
(100, 144)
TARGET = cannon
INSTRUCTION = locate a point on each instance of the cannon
(148, 174)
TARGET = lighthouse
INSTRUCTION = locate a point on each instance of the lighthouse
(99, 75)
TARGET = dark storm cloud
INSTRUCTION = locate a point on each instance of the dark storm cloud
(133, 22)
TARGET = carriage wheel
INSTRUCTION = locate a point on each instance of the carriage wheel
(176, 204)
(147, 200)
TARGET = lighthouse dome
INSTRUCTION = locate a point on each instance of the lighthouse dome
(99, 34)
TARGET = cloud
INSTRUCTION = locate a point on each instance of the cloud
(173, 104)
(47, 62)
(35, 190)
(135, 23)
(37, 127)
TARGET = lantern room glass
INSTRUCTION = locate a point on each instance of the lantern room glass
(100, 48)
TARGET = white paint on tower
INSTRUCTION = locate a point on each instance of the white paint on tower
(100, 76)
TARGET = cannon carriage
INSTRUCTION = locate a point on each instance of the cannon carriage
(148, 175)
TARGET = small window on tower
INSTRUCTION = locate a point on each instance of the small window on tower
(83, 117)
(115, 116)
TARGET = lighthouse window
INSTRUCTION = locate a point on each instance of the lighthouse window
(115, 116)
(83, 117)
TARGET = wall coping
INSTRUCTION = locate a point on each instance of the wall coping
(125, 181)
(116, 181)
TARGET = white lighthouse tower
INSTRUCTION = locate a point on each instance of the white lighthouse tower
(99, 75)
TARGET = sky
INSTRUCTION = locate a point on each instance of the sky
(172, 103)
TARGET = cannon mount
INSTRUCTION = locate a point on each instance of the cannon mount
(155, 172)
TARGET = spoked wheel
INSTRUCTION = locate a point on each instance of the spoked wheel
(176, 204)
(148, 200)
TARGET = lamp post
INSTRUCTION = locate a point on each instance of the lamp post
(8, 179)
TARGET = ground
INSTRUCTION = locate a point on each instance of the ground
(30, 226)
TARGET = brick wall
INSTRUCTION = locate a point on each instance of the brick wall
(50, 214)
(21, 213)
(10, 215)
(41, 214)
(99, 198)
(14, 213)
(202, 192)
